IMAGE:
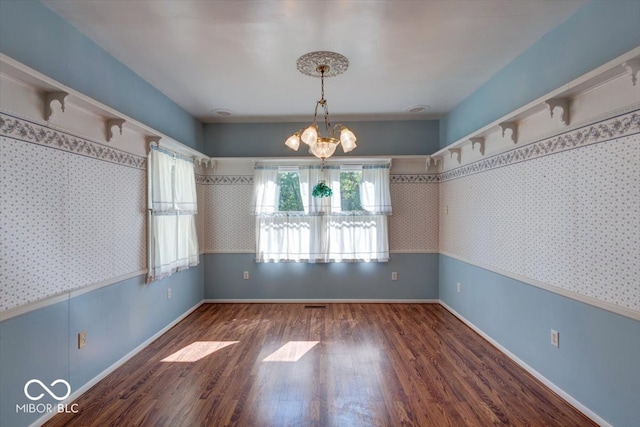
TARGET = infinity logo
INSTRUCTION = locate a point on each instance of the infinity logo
(51, 393)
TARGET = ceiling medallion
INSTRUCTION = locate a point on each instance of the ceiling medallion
(322, 64)
(310, 63)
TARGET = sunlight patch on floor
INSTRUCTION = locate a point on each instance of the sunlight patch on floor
(197, 350)
(291, 351)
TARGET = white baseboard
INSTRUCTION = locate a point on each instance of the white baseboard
(560, 392)
(76, 394)
(321, 301)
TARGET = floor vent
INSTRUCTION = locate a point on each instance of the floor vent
(315, 306)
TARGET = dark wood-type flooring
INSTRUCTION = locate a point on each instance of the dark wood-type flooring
(372, 365)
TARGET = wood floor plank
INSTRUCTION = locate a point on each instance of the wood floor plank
(364, 365)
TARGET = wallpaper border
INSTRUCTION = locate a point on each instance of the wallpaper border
(428, 178)
(224, 179)
(599, 131)
(36, 133)
(203, 179)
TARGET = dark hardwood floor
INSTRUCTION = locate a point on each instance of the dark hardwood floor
(365, 365)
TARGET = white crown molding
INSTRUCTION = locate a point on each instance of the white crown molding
(502, 133)
(52, 91)
(616, 124)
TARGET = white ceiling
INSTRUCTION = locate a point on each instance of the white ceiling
(241, 55)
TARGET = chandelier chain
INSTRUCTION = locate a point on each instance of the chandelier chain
(323, 101)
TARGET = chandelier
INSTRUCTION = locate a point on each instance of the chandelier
(322, 64)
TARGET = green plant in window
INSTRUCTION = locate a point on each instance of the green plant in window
(321, 190)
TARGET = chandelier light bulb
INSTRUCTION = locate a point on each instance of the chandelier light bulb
(293, 142)
(347, 139)
(310, 135)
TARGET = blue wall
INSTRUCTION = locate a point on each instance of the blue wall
(599, 32)
(403, 137)
(33, 34)
(597, 359)
(417, 278)
(597, 362)
(42, 344)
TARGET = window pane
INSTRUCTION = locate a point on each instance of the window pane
(290, 199)
(350, 190)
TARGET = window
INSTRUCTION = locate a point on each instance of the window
(350, 190)
(351, 225)
(173, 241)
(290, 198)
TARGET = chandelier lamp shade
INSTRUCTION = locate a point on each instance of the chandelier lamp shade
(322, 64)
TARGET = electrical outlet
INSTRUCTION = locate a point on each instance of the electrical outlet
(458, 287)
(169, 293)
(446, 209)
(82, 339)
(245, 275)
(394, 275)
(555, 338)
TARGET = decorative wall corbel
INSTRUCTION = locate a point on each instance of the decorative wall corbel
(561, 103)
(513, 127)
(110, 124)
(480, 142)
(458, 152)
(49, 97)
(633, 68)
(434, 162)
(205, 163)
(150, 139)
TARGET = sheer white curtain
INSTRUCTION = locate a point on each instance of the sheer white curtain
(323, 231)
(374, 189)
(284, 236)
(266, 190)
(173, 241)
(362, 235)
(354, 238)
